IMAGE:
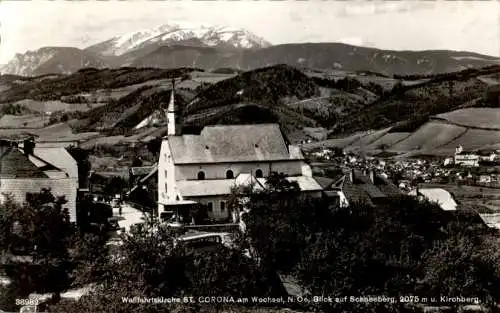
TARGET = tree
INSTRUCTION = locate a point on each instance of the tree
(398, 89)
(137, 162)
(154, 146)
(148, 264)
(36, 237)
(474, 268)
(385, 250)
(277, 183)
(89, 258)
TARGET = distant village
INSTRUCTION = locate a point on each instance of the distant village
(430, 177)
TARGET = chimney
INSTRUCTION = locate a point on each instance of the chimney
(29, 146)
(372, 176)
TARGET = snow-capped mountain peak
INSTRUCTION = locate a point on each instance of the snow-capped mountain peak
(210, 35)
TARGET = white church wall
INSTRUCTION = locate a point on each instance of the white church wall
(218, 171)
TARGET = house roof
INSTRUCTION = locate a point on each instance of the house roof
(492, 220)
(153, 171)
(324, 182)
(387, 187)
(13, 163)
(141, 170)
(232, 143)
(362, 189)
(442, 197)
(60, 158)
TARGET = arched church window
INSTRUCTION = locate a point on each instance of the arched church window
(229, 174)
(201, 175)
(258, 173)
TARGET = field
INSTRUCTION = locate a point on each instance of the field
(55, 131)
(307, 103)
(207, 77)
(387, 140)
(56, 105)
(25, 121)
(318, 133)
(16, 132)
(335, 143)
(196, 79)
(490, 79)
(436, 137)
(105, 95)
(472, 196)
(488, 118)
(365, 141)
(386, 82)
(431, 135)
(475, 139)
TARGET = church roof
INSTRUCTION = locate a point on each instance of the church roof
(231, 143)
(200, 188)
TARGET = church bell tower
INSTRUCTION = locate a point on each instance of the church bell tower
(173, 118)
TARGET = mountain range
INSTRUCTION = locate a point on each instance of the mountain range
(213, 47)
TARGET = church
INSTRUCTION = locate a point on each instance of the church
(203, 169)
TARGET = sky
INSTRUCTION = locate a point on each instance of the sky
(399, 25)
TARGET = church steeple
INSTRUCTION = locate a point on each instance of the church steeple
(171, 105)
(173, 127)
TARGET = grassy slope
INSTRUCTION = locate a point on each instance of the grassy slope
(273, 94)
(82, 81)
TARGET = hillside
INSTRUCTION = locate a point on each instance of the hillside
(55, 87)
(315, 55)
(472, 128)
(121, 116)
(411, 114)
(412, 105)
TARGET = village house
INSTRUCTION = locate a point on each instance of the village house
(368, 187)
(487, 155)
(440, 196)
(203, 169)
(332, 191)
(466, 158)
(27, 169)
